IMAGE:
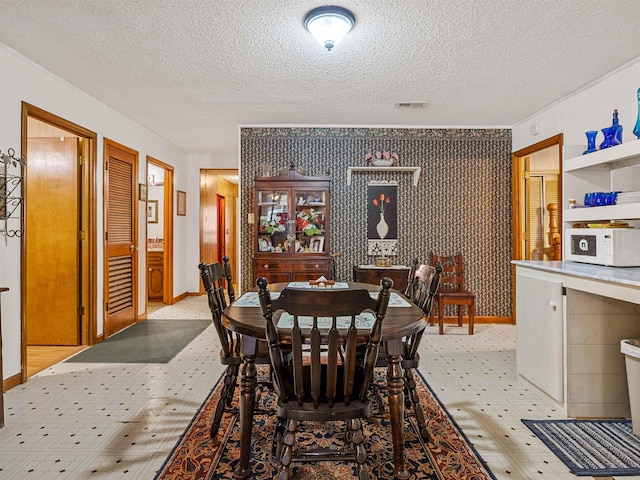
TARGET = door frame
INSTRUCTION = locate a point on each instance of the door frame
(519, 171)
(167, 266)
(88, 229)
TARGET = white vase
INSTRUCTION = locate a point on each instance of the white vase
(382, 228)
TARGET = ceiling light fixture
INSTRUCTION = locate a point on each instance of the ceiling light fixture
(329, 25)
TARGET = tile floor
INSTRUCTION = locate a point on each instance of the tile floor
(119, 421)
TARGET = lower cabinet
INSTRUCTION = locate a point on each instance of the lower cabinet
(155, 277)
(539, 333)
(295, 270)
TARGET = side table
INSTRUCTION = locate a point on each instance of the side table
(372, 274)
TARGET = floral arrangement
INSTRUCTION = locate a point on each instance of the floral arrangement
(381, 155)
(382, 202)
(309, 222)
(275, 225)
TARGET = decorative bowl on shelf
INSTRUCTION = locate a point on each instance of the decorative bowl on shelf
(381, 162)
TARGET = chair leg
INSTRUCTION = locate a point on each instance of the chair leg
(278, 435)
(357, 437)
(226, 394)
(440, 318)
(460, 311)
(472, 314)
(432, 313)
(410, 382)
(286, 454)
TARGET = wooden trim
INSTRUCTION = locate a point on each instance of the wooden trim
(517, 159)
(167, 295)
(12, 381)
(182, 296)
(488, 320)
(89, 323)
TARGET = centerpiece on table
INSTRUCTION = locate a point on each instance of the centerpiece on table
(381, 158)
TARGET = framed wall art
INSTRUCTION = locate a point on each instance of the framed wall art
(152, 211)
(182, 203)
(142, 192)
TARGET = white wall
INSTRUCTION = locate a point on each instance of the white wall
(22, 80)
(590, 108)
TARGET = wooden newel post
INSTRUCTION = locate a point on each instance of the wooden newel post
(555, 238)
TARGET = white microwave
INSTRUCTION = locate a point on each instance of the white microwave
(614, 247)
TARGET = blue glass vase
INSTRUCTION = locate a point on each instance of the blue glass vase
(591, 141)
(636, 129)
(617, 126)
(610, 139)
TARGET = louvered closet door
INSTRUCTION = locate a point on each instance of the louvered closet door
(120, 251)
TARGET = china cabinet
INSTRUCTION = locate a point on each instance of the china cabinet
(291, 225)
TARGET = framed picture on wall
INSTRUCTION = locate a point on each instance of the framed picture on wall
(152, 211)
(182, 203)
(142, 192)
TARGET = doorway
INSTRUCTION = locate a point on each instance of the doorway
(218, 213)
(536, 203)
(159, 234)
(59, 255)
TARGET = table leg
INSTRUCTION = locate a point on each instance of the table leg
(395, 382)
(248, 383)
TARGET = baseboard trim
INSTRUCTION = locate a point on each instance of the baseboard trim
(476, 320)
(11, 382)
(182, 296)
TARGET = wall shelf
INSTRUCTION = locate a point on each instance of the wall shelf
(414, 170)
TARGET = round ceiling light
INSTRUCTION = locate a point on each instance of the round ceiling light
(329, 25)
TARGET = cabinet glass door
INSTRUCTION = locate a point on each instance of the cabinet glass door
(273, 218)
(310, 206)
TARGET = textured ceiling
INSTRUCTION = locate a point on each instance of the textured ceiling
(193, 70)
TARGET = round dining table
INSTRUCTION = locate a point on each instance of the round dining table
(244, 317)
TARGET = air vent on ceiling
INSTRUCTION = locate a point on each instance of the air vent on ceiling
(411, 104)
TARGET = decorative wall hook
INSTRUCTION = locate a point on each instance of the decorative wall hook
(11, 191)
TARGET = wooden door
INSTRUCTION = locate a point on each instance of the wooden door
(52, 274)
(121, 257)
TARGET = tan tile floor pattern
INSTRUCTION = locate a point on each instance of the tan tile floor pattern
(120, 421)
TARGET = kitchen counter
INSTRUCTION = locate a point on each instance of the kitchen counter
(623, 275)
(571, 318)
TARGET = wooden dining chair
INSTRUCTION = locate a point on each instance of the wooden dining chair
(322, 378)
(452, 290)
(213, 277)
(422, 286)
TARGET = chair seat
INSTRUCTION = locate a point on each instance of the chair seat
(462, 294)
(324, 413)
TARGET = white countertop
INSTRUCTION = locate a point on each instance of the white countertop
(622, 275)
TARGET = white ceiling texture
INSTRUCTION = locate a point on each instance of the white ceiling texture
(193, 70)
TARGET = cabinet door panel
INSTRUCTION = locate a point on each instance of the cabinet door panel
(539, 345)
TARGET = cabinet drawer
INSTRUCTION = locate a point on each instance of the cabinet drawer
(271, 266)
(310, 266)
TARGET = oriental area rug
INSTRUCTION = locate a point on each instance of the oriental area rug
(447, 455)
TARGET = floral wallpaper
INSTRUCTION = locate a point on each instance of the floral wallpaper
(462, 202)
